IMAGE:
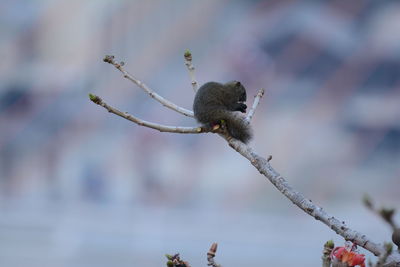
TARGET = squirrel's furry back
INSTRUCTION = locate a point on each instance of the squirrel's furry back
(215, 102)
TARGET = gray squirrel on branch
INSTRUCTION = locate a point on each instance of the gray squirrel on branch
(215, 102)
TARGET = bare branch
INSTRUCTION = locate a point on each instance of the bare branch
(176, 261)
(383, 257)
(211, 254)
(255, 104)
(162, 100)
(265, 168)
(326, 253)
(156, 126)
(387, 214)
(190, 67)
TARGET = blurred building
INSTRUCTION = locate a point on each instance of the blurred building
(81, 187)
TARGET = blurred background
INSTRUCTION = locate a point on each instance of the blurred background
(82, 187)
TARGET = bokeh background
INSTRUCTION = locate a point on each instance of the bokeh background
(82, 187)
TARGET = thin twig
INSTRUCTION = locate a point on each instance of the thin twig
(387, 214)
(162, 100)
(176, 261)
(383, 258)
(255, 104)
(211, 254)
(190, 67)
(326, 253)
(156, 126)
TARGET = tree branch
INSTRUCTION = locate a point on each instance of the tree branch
(387, 214)
(156, 126)
(265, 168)
(190, 67)
(255, 104)
(162, 100)
(211, 254)
(384, 256)
(176, 261)
(326, 253)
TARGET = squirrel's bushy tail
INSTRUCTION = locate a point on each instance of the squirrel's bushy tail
(236, 125)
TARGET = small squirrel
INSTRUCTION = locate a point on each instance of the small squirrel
(215, 102)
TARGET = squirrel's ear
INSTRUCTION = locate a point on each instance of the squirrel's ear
(238, 84)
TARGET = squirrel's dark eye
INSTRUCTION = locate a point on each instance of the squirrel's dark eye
(238, 84)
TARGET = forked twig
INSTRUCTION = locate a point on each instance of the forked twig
(110, 59)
